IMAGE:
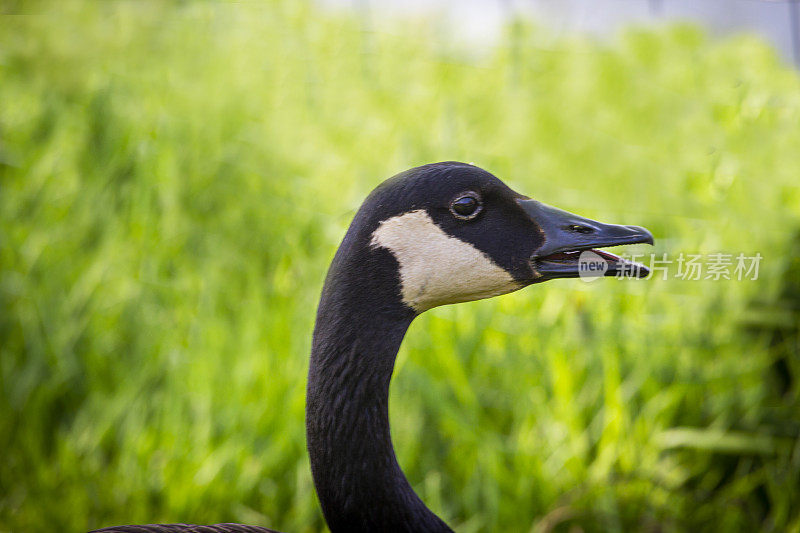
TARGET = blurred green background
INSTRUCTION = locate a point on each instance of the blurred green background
(175, 177)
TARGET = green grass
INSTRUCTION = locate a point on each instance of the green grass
(175, 177)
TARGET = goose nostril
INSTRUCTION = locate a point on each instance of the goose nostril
(577, 228)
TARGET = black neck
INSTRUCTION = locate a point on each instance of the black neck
(360, 325)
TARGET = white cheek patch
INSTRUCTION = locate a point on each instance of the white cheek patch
(437, 268)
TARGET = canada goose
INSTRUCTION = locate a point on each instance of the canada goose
(433, 235)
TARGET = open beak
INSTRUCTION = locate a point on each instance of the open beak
(568, 237)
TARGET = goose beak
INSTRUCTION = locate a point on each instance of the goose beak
(568, 236)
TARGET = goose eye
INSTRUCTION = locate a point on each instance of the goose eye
(466, 206)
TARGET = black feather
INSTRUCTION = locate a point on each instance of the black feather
(185, 528)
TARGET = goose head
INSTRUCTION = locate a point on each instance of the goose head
(458, 233)
(433, 235)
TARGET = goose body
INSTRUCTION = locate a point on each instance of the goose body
(437, 234)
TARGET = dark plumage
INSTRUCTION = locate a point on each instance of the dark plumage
(186, 528)
(433, 235)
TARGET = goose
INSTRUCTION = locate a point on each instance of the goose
(433, 235)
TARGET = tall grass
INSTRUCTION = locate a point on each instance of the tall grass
(174, 178)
